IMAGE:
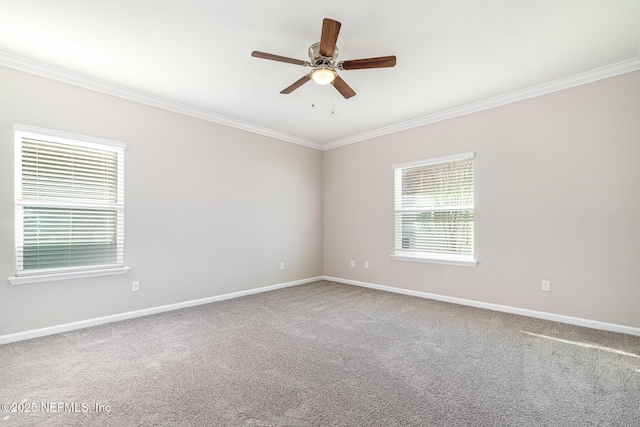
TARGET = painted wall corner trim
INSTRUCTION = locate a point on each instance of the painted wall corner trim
(77, 79)
(577, 321)
(87, 82)
(67, 327)
(611, 70)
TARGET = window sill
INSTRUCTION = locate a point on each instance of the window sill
(20, 280)
(467, 261)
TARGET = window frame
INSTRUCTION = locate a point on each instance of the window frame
(53, 136)
(431, 257)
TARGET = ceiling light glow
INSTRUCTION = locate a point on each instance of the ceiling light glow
(323, 75)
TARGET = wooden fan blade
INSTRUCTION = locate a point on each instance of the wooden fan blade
(279, 58)
(380, 62)
(329, 36)
(343, 87)
(296, 85)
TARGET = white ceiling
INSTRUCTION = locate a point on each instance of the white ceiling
(194, 56)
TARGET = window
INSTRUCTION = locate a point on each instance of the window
(69, 205)
(434, 210)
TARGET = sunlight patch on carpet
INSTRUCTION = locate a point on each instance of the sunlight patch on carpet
(584, 344)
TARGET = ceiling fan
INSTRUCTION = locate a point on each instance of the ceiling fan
(323, 57)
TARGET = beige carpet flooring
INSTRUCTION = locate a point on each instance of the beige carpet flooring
(324, 354)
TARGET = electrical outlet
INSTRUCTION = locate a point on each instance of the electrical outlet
(282, 266)
(366, 265)
(546, 285)
(135, 286)
(353, 263)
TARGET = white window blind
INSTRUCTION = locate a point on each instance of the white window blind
(69, 204)
(434, 210)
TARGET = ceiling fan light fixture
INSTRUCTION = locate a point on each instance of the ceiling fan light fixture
(323, 58)
(323, 75)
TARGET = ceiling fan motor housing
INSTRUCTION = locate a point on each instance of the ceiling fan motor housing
(324, 68)
(317, 59)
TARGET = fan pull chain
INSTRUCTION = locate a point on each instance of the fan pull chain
(313, 100)
(333, 97)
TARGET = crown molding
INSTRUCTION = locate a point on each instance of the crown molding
(607, 71)
(77, 79)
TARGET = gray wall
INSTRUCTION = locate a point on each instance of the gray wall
(212, 210)
(209, 209)
(557, 186)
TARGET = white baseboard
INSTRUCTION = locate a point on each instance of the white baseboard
(35, 333)
(496, 307)
(66, 327)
